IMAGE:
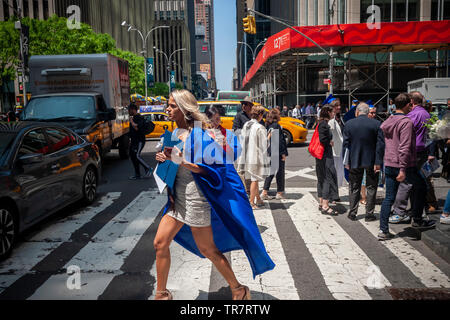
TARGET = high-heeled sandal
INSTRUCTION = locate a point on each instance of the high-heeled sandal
(247, 295)
(166, 295)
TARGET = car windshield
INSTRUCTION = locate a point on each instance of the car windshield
(6, 140)
(60, 108)
(225, 110)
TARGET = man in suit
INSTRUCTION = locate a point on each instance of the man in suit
(365, 142)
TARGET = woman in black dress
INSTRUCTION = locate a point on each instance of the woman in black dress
(275, 130)
(326, 172)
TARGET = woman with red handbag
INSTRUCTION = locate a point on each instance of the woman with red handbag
(323, 152)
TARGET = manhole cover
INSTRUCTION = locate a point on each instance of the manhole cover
(420, 294)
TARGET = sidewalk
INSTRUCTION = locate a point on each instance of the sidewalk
(438, 239)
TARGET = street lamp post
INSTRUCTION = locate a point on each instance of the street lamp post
(254, 52)
(169, 59)
(256, 49)
(144, 49)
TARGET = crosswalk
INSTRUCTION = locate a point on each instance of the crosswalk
(316, 257)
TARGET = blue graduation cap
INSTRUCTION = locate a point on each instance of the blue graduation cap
(370, 103)
(329, 100)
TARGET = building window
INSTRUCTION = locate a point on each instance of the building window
(26, 9)
(385, 8)
(306, 12)
(342, 10)
(182, 14)
(400, 10)
(316, 12)
(46, 13)
(5, 10)
(326, 9)
(413, 10)
(440, 10)
(35, 9)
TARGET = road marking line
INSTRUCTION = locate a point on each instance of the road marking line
(29, 253)
(101, 259)
(343, 264)
(430, 275)
(269, 284)
(189, 275)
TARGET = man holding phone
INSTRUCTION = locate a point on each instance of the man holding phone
(137, 137)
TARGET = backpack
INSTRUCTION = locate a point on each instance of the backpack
(148, 126)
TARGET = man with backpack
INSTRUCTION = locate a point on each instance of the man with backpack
(139, 128)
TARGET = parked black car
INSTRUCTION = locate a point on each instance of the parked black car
(43, 168)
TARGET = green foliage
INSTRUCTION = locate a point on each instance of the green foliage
(431, 122)
(53, 37)
(9, 51)
(136, 66)
(160, 89)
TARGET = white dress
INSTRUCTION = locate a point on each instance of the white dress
(191, 206)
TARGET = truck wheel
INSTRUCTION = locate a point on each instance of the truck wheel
(8, 230)
(124, 147)
(288, 137)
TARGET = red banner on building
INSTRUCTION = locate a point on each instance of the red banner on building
(354, 35)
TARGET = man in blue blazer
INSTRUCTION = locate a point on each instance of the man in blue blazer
(364, 143)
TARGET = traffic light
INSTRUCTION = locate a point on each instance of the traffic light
(249, 25)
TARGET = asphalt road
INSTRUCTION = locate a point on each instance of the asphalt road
(106, 251)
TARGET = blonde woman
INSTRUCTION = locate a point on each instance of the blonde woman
(208, 211)
(254, 161)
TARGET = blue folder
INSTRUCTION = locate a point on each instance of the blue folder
(167, 171)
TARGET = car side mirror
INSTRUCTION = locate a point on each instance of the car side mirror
(32, 158)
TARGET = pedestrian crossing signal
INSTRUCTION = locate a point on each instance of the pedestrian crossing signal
(250, 25)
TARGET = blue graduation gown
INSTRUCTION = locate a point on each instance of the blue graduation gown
(232, 220)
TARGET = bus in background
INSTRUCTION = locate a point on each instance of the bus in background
(232, 95)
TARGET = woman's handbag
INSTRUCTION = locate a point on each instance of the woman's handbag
(316, 149)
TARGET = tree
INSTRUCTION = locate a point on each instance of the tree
(9, 51)
(136, 66)
(160, 89)
(53, 37)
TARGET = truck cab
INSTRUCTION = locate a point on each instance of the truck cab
(86, 93)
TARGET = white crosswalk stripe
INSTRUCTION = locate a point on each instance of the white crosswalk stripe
(269, 284)
(421, 267)
(101, 259)
(343, 264)
(27, 254)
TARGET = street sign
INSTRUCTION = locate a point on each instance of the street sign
(150, 73)
(25, 44)
(339, 62)
(326, 81)
(172, 81)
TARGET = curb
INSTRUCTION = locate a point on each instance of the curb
(438, 240)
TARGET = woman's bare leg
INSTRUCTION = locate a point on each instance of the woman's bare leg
(205, 242)
(253, 192)
(167, 230)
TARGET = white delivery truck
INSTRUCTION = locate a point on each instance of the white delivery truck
(437, 90)
(87, 93)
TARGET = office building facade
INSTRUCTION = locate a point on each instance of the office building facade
(313, 71)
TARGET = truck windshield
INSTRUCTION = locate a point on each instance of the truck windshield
(60, 108)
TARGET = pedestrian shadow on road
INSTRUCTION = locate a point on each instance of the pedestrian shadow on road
(225, 294)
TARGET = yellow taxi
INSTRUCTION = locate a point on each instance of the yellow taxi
(294, 130)
(161, 121)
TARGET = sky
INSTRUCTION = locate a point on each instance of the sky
(225, 42)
